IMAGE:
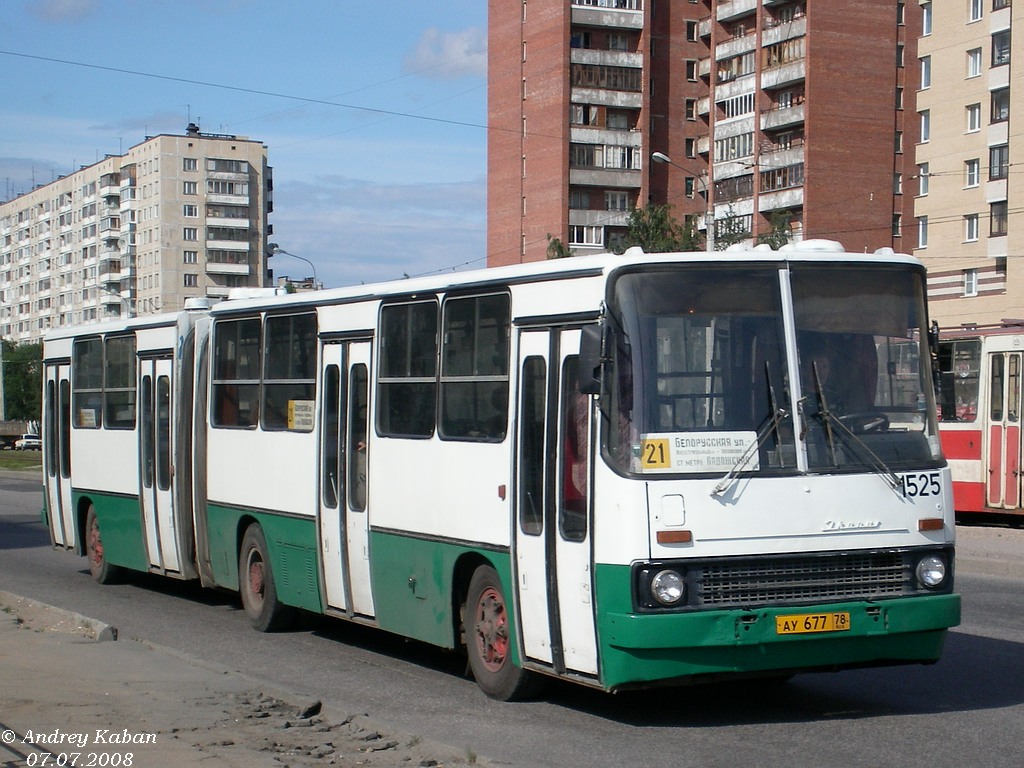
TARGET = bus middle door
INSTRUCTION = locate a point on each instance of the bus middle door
(156, 494)
(1004, 430)
(552, 531)
(344, 440)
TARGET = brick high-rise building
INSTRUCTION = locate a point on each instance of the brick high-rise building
(760, 106)
(174, 217)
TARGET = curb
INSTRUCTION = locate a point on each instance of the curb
(103, 632)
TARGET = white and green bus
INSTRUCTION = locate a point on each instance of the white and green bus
(619, 470)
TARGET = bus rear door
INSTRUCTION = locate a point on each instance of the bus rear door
(552, 532)
(1004, 430)
(57, 454)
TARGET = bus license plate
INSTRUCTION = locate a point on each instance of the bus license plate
(812, 622)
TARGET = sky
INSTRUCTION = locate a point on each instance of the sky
(373, 113)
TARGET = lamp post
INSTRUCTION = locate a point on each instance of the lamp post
(709, 216)
(273, 249)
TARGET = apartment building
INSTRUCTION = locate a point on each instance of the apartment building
(174, 217)
(762, 111)
(969, 193)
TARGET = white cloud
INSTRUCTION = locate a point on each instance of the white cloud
(449, 55)
(63, 10)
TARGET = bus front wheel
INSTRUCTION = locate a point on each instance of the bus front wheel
(103, 572)
(256, 584)
(489, 640)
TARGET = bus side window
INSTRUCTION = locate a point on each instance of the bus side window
(531, 463)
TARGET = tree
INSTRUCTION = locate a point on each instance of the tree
(23, 380)
(656, 230)
(557, 249)
(780, 232)
(730, 229)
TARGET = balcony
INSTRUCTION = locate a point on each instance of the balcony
(606, 58)
(221, 268)
(604, 177)
(783, 198)
(606, 98)
(590, 218)
(793, 72)
(777, 119)
(785, 31)
(616, 14)
(736, 9)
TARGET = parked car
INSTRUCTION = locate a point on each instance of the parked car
(28, 443)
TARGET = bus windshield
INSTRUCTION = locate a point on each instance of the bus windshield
(700, 374)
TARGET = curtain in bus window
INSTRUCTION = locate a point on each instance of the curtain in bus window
(289, 378)
(572, 511)
(407, 380)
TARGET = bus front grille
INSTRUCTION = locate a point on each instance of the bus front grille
(801, 579)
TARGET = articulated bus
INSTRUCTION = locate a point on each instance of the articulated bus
(980, 417)
(623, 471)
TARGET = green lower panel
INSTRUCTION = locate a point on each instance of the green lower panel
(414, 580)
(120, 521)
(292, 543)
(643, 648)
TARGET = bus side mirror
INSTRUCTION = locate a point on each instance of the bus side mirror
(591, 359)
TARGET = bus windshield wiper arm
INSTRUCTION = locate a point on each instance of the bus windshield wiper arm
(834, 427)
(768, 426)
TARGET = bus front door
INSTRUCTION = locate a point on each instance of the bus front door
(1004, 431)
(343, 518)
(155, 494)
(57, 455)
(552, 533)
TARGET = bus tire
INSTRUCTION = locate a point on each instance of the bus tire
(103, 572)
(256, 584)
(489, 640)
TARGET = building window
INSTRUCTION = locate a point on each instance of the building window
(579, 199)
(189, 164)
(972, 173)
(926, 72)
(922, 231)
(690, 148)
(974, 11)
(926, 18)
(897, 183)
(190, 233)
(899, 98)
(691, 109)
(1000, 4)
(926, 126)
(691, 70)
(191, 280)
(190, 211)
(898, 143)
(616, 201)
(998, 162)
(973, 118)
(586, 235)
(997, 219)
(974, 62)
(618, 42)
(191, 257)
(922, 179)
(971, 228)
(900, 55)
(190, 188)
(970, 282)
(1001, 48)
(897, 225)
(1000, 105)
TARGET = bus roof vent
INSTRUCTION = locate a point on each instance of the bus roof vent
(197, 303)
(255, 293)
(831, 246)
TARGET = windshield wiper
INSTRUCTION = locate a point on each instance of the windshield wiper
(768, 426)
(835, 427)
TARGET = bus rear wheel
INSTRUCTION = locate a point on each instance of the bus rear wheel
(103, 572)
(256, 584)
(489, 641)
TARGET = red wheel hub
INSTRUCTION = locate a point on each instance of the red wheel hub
(491, 627)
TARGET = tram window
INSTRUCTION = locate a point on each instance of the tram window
(119, 382)
(289, 372)
(407, 381)
(474, 368)
(236, 373)
(959, 365)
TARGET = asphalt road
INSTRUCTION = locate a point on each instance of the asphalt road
(966, 710)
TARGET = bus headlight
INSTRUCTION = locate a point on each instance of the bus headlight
(668, 587)
(931, 571)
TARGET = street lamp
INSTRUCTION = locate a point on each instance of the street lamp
(709, 216)
(273, 249)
